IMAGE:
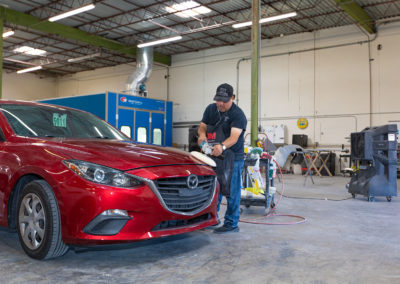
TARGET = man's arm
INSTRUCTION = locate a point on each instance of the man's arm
(229, 142)
(202, 133)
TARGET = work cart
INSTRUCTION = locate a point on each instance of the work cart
(265, 199)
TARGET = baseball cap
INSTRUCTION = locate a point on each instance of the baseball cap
(224, 93)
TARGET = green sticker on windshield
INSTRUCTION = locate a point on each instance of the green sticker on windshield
(59, 120)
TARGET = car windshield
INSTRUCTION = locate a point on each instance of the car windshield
(47, 121)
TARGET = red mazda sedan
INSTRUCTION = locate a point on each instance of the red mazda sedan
(69, 178)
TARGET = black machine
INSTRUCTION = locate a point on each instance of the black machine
(374, 150)
(300, 139)
(193, 136)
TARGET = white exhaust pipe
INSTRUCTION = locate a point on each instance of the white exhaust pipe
(144, 66)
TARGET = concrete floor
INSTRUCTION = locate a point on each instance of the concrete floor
(347, 241)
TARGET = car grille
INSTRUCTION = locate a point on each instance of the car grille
(175, 224)
(178, 197)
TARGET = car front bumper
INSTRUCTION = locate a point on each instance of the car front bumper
(82, 203)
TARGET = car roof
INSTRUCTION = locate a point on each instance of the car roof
(31, 103)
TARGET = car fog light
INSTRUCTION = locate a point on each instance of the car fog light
(115, 212)
(98, 175)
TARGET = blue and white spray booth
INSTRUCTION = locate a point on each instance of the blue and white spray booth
(142, 119)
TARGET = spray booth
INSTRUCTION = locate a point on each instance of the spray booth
(140, 118)
(144, 120)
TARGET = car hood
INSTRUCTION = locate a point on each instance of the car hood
(122, 155)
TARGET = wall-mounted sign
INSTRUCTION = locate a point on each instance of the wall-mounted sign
(302, 123)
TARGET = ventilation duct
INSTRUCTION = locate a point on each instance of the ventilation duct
(144, 66)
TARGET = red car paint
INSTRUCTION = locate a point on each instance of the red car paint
(80, 200)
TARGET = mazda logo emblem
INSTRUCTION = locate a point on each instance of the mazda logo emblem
(192, 181)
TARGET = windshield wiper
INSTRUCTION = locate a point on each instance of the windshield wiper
(102, 137)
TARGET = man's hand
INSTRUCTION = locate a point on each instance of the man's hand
(202, 131)
(217, 150)
(201, 139)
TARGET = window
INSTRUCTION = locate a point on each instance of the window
(142, 134)
(157, 136)
(126, 130)
(46, 121)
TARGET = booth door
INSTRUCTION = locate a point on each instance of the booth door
(142, 123)
(157, 128)
(126, 122)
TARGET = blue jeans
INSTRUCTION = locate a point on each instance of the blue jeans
(233, 207)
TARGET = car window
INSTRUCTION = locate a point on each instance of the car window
(46, 121)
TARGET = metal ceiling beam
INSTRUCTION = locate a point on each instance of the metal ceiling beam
(358, 14)
(18, 18)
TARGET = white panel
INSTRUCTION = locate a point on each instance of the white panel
(186, 92)
(27, 87)
(342, 80)
(333, 131)
(244, 93)
(275, 95)
(301, 83)
(287, 85)
(193, 87)
(386, 73)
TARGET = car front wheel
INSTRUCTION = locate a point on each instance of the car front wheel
(39, 224)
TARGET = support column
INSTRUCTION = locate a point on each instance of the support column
(255, 70)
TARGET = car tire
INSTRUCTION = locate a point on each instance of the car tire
(38, 222)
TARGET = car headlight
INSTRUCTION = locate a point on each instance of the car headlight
(101, 174)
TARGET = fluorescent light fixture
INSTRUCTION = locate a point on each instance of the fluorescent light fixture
(89, 56)
(8, 33)
(279, 17)
(156, 42)
(188, 9)
(29, 69)
(72, 12)
(266, 20)
(30, 50)
(19, 61)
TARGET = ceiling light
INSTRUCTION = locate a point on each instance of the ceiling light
(89, 56)
(30, 50)
(188, 8)
(159, 41)
(265, 20)
(19, 61)
(7, 34)
(72, 12)
(29, 69)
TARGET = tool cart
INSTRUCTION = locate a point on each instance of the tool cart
(263, 197)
